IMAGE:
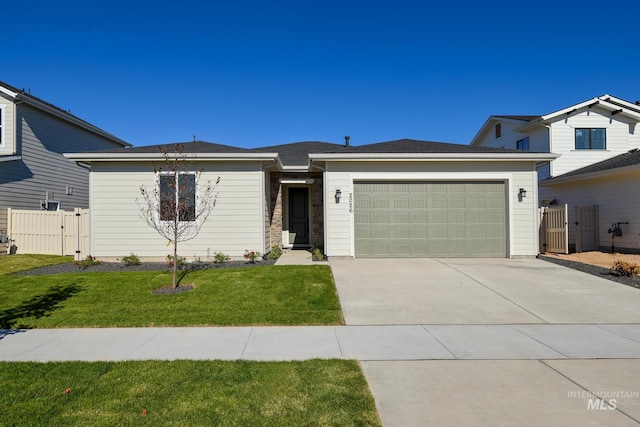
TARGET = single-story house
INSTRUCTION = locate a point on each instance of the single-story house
(602, 197)
(403, 198)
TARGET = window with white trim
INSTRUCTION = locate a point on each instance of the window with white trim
(523, 144)
(177, 196)
(591, 138)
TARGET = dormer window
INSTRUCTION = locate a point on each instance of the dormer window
(591, 138)
(498, 130)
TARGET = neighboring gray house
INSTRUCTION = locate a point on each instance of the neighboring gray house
(33, 172)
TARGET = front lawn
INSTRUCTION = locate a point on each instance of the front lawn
(181, 393)
(14, 263)
(266, 295)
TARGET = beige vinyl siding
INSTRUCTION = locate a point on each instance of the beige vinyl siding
(521, 219)
(42, 166)
(619, 139)
(268, 244)
(7, 144)
(235, 224)
(615, 197)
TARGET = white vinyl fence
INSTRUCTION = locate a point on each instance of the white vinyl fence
(50, 233)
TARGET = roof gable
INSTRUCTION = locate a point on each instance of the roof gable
(20, 95)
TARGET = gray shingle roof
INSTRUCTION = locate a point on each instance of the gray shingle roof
(417, 146)
(188, 147)
(630, 158)
(297, 153)
(523, 118)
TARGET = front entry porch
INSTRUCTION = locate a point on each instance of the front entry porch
(296, 210)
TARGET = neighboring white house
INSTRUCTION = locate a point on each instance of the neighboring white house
(393, 199)
(602, 197)
(33, 171)
(582, 135)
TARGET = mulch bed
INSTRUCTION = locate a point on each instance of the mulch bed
(145, 266)
(595, 270)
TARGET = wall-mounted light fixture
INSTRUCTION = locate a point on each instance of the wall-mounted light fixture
(522, 194)
(338, 195)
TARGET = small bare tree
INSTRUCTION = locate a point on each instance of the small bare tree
(178, 205)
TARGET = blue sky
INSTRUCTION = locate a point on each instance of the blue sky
(257, 73)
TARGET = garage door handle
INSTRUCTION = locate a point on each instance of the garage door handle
(576, 222)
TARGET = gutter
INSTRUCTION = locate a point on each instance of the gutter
(435, 157)
(141, 157)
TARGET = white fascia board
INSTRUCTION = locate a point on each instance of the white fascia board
(141, 157)
(592, 175)
(72, 119)
(8, 92)
(435, 157)
(482, 131)
(601, 101)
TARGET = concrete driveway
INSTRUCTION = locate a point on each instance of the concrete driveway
(477, 291)
(476, 307)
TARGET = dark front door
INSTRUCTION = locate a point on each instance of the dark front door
(299, 216)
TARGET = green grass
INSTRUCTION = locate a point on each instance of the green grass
(266, 295)
(181, 393)
(13, 263)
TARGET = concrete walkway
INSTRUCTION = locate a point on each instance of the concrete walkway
(364, 343)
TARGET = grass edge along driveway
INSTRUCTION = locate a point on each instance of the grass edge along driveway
(313, 392)
(265, 295)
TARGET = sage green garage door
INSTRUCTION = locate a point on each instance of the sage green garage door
(430, 219)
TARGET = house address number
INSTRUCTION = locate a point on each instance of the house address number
(350, 202)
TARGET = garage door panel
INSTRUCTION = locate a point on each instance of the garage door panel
(433, 219)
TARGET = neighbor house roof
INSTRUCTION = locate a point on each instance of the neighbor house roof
(608, 102)
(20, 95)
(520, 118)
(630, 159)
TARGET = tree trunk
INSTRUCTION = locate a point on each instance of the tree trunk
(175, 258)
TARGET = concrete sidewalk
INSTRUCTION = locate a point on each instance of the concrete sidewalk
(364, 343)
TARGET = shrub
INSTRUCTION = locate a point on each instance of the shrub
(130, 260)
(181, 260)
(317, 254)
(276, 252)
(251, 255)
(219, 258)
(623, 268)
(87, 262)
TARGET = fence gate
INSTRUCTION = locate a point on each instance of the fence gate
(554, 232)
(50, 233)
(587, 238)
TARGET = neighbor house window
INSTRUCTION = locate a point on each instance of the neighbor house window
(523, 144)
(498, 130)
(591, 139)
(178, 197)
